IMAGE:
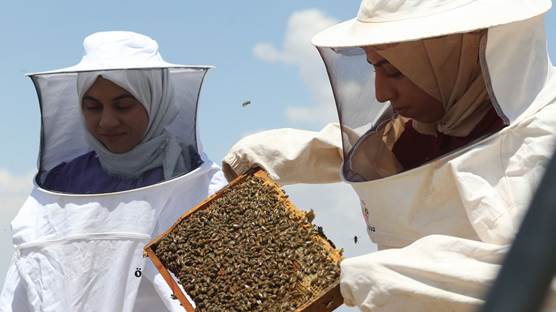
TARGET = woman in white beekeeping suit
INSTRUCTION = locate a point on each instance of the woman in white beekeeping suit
(447, 120)
(120, 161)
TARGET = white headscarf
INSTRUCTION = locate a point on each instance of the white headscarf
(158, 147)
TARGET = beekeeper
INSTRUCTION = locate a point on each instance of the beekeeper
(120, 160)
(446, 124)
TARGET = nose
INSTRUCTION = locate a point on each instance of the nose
(384, 90)
(108, 119)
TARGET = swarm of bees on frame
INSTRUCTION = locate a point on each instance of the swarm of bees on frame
(246, 252)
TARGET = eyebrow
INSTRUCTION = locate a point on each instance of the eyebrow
(123, 96)
(119, 97)
(88, 97)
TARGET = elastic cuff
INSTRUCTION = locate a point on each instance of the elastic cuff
(232, 167)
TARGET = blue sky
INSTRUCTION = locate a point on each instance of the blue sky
(261, 51)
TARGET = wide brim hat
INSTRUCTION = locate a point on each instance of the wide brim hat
(118, 50)
(388, 21)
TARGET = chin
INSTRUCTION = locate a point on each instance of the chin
(120, 150)
(406, 114)
(116, 149)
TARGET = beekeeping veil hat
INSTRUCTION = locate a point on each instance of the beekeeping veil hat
(132, 61)
(505, 38)
(88, 247)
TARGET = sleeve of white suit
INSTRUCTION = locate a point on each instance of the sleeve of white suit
(289, 155)
(13, 297)
(435, 273)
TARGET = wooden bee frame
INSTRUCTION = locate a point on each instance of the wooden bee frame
(328, 300)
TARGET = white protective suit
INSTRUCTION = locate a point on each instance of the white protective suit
(84, 252)
(441, 228)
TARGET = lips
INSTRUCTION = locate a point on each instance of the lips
(111, 136)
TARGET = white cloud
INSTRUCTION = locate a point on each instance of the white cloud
(267, 52)
(297, 50)
(14, 189)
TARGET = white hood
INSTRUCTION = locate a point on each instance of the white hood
(443, 227)
(453, 195)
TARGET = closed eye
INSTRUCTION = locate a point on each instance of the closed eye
(126, 103)
(91, 105)
(391, 71)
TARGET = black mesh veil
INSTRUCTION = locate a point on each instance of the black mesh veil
(63, 130)
(352, 79)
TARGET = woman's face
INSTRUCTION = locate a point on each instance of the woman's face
(406, 98)
(114, 116)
